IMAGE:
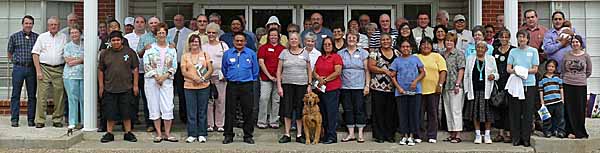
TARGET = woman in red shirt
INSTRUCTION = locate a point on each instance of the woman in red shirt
(327, 72)
(268, 58)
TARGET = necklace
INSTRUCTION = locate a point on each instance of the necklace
(480, 69)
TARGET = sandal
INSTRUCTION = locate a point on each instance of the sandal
(172, 139)
(450, 138)
(348, 139)
(360, 140)
(456, 140)
(157, 139)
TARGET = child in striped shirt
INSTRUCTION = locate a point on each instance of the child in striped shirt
(551, 92)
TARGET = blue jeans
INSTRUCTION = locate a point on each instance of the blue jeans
(353, 102)
(22, 74)
(74, 88)
(197, 105)
(329, 111)
(556, 123)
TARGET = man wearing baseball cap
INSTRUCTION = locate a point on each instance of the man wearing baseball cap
(464, 35)
(274, 23)
(128, 25)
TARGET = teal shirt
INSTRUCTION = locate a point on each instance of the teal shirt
(526, 58)
(73, 72)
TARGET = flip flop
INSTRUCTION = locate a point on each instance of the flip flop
(448, 139)
(360, 140)
(348, 139)
(456, 140)
(172, 139)
(157, 139)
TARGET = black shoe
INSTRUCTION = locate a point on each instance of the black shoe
(547, 134)
(301, 139)
(285, 139)
(391, 140)
(108, 137)
(101, 130)
(329, 142)
(228, 140)
(379, 141)
(30, 124)
(14, 124)
(39, 125)
(561, 135)
(57, 125)
(249, 140)
(526, 143)
(516, 142)
(129, 137)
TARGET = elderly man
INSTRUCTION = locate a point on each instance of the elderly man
(423, 29)
(72, 19)
(442, 18)
(177, 35)
(318, 29)
(363, 20)
(49, 63)
(385, 23)
(399, 21)
(201, 23)
(19, 53)
(139, 29)
(464, 35)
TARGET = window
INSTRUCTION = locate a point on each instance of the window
(226, 16)
(373, 14)
(330, 17)
(61, 10)
(172, 9)
(261, 16)
(411, 12)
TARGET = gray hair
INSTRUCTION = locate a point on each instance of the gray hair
(215, 27)
(215, 15)
(260, 31)
(310, 36)
(444, 13)
(55, 18)
(72, 15)
(371, 25)
(482, 43)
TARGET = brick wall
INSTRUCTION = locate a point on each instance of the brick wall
(105, 8)
(493, 8)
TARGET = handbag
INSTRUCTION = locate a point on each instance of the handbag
(214, 93)
(498, 96)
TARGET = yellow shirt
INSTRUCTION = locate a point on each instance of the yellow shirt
(189, 71)
(283, 40)
(434, 63)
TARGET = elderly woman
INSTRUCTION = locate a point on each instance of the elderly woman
(453, 91)
(216, 105)
(501, 55)
(577, 67)
(407, 35)
(196, 67)
(328, 69)
(522, 62)
(407, 81)
(435, 70)
(371, 28)
(73, 75)
(383, 103)
(160, 63)
(439, 45)
(355, 86)
(338, 36)
(480, 74)
(309, 46)
(293, 79)
(478, 35)
(268, 58)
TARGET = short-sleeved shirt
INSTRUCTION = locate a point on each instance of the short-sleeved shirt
(270, 55)
(216, 54)
(325, 32)
(501, 62)
(526, 58)
(294, 70)
(73, 50)
(434, 63)
(550, 88)
(382, 82)
(353, 71)
(117, 66)
(455, 61)
(407, 70)
(50, 48)
(375, 40)
(325, 66)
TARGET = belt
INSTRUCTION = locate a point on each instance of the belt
(23, 64)
(238, 82)
(54, 66)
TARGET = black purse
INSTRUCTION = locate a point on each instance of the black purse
(214, 93)
(498, 97)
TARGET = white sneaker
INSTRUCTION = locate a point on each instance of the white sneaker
(210, 129)
(487, 139)
(71, 127)
(432, 141)
(190, 139)
(411, 142)
(201, 139)
(403, 141)
(221, 129)
(477, 139)
(418, 140)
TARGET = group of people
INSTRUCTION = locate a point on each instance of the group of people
(404, 73)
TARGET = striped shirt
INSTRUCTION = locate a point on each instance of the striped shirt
(375, 41)
(20, 45)
(550, 87)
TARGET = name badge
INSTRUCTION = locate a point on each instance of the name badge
(529, 54)
(232, 60)
(248, 60)
(271, 49)
(356, 56)
(497, 55)
(323, 36)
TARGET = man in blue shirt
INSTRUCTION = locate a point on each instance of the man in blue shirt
(240, 68)
(19, 53)
(237, 26)
(318, 29)
(554, 47)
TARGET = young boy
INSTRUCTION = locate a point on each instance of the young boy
(551, 90)
(116, 81)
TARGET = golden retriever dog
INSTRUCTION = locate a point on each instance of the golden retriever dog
(311, 117)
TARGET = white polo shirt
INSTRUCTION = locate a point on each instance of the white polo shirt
(50, 48)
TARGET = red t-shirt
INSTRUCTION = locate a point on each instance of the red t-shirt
(325, 65)
(270, 54)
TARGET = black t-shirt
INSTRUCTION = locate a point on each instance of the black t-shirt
(479, 77)
(118, 66)
(501, 62)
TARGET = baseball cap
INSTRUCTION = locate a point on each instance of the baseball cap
(129, 21)
(459, 17)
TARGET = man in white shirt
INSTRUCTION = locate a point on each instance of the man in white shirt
(139, 29)
(464, 35)
(49, 63)
(423, 29)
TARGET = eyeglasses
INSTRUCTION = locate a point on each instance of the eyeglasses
(291, 31)
(211, 32)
